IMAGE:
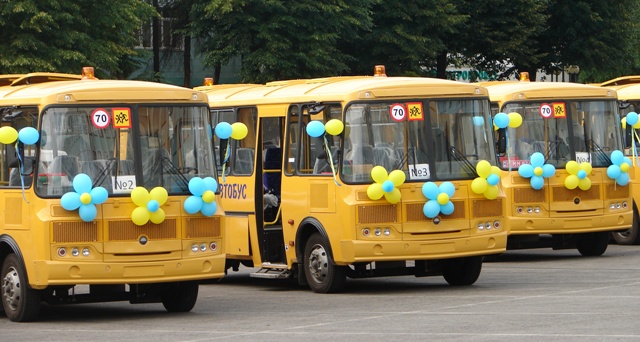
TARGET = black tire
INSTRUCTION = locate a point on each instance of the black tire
(21, 303)
(462, 271)
(630, 236)
(323, 276)
(592, 244)
(180, 296)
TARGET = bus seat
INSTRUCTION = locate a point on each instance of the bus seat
(14, 175)
(273, 161)
(362, 154)
(385, 157)
(64, 165)
(322, 165)
(244, 161)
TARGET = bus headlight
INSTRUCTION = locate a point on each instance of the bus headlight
(194, 248)
(85, 251)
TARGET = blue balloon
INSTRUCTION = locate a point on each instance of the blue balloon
(153, 206)
(388, 186)
(98, 195)
(447, 188)
(493, 179)
(88, 212)
(431, 209)
(210, 184)
(623, 179)
(208, 209)
(315, 128)
(223, 130)
(447, 209)
(537, 182)
(525, 170)
(28, 135)
(627, 160)
(430, 190)
(82, 183)
(197, 186)
(582, 174)
(478, 121)
(70, 201)
(632, 118)
(537, 159)
(193, 204)
(548, 170)
(501, 120)
(613, 171)
(617, 157)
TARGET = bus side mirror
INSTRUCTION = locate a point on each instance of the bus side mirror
(501, 141)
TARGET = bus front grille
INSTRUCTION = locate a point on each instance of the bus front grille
(129, 231)
(63, 232)
(203, 227)
(377, 214)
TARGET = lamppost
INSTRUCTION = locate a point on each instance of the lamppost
(573, 71)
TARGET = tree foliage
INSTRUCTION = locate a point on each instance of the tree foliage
(64, 35)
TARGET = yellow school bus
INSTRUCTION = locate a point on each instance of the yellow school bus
(568, 135)
(358, 177)
(94, 175)
(628, 90)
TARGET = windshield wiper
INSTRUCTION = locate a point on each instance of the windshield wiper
(172, 170)
(592, 146)
(104, 172)
(459, 157)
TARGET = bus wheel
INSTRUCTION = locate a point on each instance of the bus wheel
(462, 271)
(592, 244)
(21, 303)
(630, 236)
(323, 276)
(180, 296)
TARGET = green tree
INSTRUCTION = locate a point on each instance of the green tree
(280, 39)
(64, 35)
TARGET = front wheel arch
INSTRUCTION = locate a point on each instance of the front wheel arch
(308, 227)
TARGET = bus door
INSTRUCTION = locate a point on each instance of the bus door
(270, 234)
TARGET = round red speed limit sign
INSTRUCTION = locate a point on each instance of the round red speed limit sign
(545, 110)
(100, 118)
(398, 112)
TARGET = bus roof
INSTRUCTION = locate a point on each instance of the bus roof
(514, 90)
(78, 91)
(341, 89)
(624, 80)
(628, 91)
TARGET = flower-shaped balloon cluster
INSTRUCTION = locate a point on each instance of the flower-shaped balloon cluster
(578, 175)
(204, 195)
(504, 120)
(487, 181)
(439, 199)
(85, 198)
(537, 170)
(149, 203)
(385, 184)
(619, 170)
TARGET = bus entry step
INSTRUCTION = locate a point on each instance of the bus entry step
(272, 273)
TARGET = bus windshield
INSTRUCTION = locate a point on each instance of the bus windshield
(443, 142)
(584, 131)
(169, 146)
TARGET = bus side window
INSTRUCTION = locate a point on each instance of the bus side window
(14, 163)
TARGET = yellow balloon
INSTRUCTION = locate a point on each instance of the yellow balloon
(492, 192)
(443, 198)
(159, 194)
(586, 166)
(573, 167)
(85, 198)
(334, 127)
(537, 171)
(636, 125)
(140, 216)
(483, 168)
(584, 183)
(8, 135)
(515, 119)
(140, 196)
(375, 192)
(624, 122)
(624, 167)
(571, 182)
(157, 217)
(495, 128)
(379, 174)
(479, 185)
(496, 170)
(397, 177)
(393, 197)
(208, 196)
(239, 130)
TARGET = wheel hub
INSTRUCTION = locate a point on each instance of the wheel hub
(318, 262)
(11, 288)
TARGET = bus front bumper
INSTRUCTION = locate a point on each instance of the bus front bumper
(570, 225)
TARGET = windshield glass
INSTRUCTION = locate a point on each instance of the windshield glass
(170, 146)
(436, 140)
(584, 131)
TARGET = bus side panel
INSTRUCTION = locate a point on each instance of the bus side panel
(237, 236)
